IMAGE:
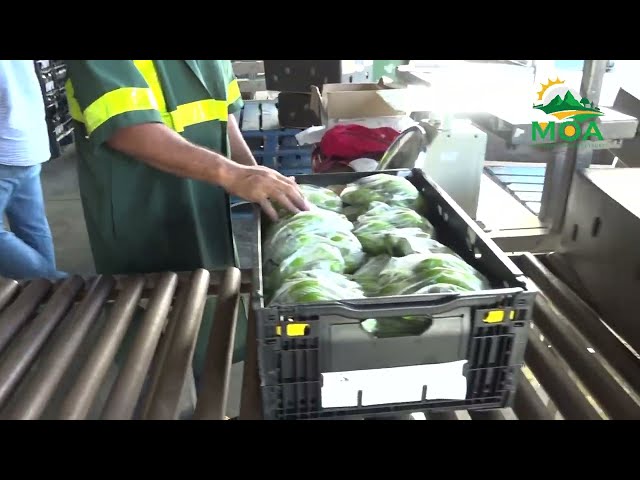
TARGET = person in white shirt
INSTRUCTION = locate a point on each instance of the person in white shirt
(27, 250)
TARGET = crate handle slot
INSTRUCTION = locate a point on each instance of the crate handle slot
(426, 325)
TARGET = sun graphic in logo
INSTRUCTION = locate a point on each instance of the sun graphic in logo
(561, 102)
(546, 87)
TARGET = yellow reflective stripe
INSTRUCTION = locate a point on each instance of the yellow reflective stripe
(74, 106)
(148, 70)
(199, 112)
(233, 92)
(128, 99)
(115, 102)
(187, 114)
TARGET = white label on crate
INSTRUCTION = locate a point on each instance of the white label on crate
(443, 381)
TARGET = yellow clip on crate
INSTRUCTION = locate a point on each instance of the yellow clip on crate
(294, 329)
(497, 316)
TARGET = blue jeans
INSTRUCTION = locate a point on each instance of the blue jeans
(26, 251)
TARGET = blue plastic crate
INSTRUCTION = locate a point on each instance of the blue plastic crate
(279, 149)
(301, 161)
(272, 146)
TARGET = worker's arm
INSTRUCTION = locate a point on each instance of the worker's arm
(164, 149)
(240, 151)
(120, 111)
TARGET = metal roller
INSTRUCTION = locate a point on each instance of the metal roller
(528, 405)
(215, 280)
(79, 400)
(180, 354)
(218, 278)
(126, 391)
(613, 399)
(41, 387)
(163, 348)
(212, 398)
(14, 316)
(556, 382)
(23, 350)
(8, 289)
(586, 320)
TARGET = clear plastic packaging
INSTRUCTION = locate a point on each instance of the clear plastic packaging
(389, 189)
(346, 242)
(316, 220)
(406, 241)
(381, 219)
(387, 276)
(368, 275)
(316, 286)
(311, 257)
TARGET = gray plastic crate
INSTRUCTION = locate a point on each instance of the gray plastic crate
(302, 347)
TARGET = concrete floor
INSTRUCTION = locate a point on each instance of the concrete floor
(64, 211)
(73, 253)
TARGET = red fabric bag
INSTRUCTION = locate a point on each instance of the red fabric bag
(355, 141)
(345, 143)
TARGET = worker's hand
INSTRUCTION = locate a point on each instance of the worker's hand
(263, 185)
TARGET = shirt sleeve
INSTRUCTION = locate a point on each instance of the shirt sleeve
(234, 98)
(109, 95)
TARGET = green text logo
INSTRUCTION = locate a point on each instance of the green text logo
(576, 119)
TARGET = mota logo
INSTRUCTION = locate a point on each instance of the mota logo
(576, 119)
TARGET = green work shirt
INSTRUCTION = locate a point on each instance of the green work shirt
(140, 219)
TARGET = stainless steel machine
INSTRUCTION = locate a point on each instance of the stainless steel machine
(455, 145)
(444, 147)
(600, 245)
(526, 184)
(581, 215)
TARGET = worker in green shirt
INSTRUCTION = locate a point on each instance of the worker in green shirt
(159, 153)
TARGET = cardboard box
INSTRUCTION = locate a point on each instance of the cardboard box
(343, 102)
(349, 101)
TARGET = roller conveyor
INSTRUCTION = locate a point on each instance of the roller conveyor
(579, 370)
(61, 344)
